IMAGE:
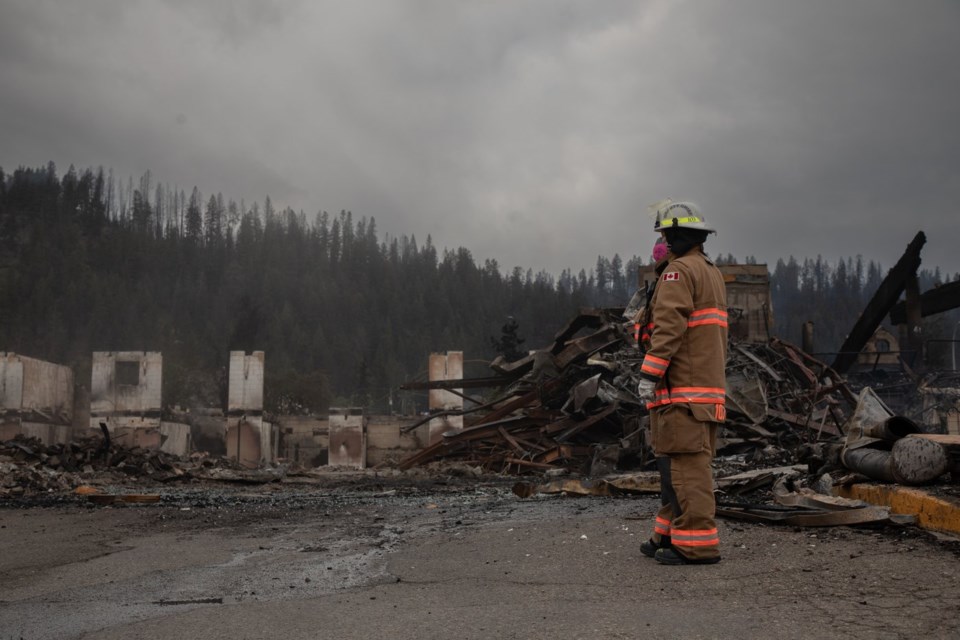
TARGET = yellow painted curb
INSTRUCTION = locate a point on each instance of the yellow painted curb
(932, 512)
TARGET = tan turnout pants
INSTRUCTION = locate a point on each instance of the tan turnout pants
(684, 447)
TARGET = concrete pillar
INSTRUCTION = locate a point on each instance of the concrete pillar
(445, 366)
(248, 437)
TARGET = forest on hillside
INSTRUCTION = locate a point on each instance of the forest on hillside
(91, 263)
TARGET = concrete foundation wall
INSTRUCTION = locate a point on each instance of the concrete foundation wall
(28, 384)
(306, 439)
(250, 440)
(169, 437)
(208, 433)
(108, 395)
(348, 438)
(36, 399)
(48, 434)
(11, 381)
(125, 389)
(387, 445)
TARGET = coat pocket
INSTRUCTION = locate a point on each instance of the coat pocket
(708, 412)
(675, 430)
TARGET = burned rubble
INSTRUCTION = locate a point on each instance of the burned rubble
(571, 407)
(794, 427)
(28, 467)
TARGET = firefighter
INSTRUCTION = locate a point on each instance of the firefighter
(683, 386)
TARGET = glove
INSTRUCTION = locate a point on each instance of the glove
(645, 390)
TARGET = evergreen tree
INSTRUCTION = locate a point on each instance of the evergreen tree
(509, 343)
(88, 262)
(194, 228)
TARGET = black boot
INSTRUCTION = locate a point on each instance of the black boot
(670, 556)
(649, 548)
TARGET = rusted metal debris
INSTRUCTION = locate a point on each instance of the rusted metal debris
(572, 405)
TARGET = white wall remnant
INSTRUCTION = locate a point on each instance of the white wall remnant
(126, 384)
(246, 382)
(348, 438)
(445, 366)
(36, 399)
(249, 439)
(125, 394)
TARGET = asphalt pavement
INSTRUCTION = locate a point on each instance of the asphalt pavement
(465, 561)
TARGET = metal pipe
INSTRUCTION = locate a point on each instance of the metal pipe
(913, 461)
(918, 461)
(892, 429)
(873, 463)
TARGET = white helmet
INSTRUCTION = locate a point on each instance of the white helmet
(685, 215)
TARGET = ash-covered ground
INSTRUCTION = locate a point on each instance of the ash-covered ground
(439, 556)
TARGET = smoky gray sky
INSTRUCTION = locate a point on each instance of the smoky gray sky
(535, 132)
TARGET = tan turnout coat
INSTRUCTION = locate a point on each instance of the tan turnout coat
(686, 337)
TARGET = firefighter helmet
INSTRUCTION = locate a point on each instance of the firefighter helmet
(679, 215)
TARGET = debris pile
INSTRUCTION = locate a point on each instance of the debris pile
(28, 467)
(572, 406)
(890, 448)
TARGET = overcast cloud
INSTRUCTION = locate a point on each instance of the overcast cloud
(532, 132)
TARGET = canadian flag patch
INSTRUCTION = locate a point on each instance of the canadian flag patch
(673, 276)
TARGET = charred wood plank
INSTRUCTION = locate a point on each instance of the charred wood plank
(529, 464)
(592, 318)
(512, 370)
(464, 383)
(933, 301)
(582, 347)
(914, 326)
(805, 423)
(451, 412)
(526, 399)
(513, 443)
(770, 370)
(530, 445)
(810, 376)
(585, 424)
(881, 304)
(554, 454)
